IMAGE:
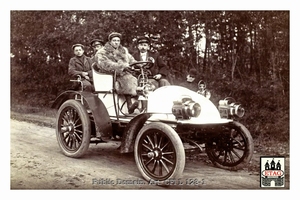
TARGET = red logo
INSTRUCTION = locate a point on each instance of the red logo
(272, 173)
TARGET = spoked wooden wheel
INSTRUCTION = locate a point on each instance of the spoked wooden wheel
(73, 129)
(159, 152)
(233, 146)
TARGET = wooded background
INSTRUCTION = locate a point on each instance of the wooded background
(241, 54)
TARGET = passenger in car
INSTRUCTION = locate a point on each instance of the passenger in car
(113, 57)
(80, 64)
(96, 44)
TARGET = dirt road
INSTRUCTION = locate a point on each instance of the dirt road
(37, 163)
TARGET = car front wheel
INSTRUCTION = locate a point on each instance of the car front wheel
(159, 152)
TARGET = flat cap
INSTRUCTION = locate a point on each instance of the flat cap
(155, 37)
(143, 39)
(77, 45)
(114, 34)
(95, 42)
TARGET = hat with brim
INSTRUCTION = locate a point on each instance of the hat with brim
(114, 34)
(143, 39)
(95, 42)
(77, 45)
(155, 38)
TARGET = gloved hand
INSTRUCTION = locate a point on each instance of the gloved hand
(85, 75)
(151, 59)
(157, 76)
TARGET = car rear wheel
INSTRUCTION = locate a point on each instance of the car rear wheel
(73, 128)
(159, 153)
(231, 147)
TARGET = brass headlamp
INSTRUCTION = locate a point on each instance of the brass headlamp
(185, 108)
(229, 108)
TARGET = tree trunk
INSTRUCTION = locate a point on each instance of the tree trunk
(233, 63)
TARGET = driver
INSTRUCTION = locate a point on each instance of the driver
(160, 70)
(113, 57)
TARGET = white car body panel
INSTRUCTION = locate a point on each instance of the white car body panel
(160, 103)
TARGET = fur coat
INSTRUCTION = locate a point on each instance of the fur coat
(110, 60)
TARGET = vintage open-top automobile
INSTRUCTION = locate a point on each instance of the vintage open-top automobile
(175, 121)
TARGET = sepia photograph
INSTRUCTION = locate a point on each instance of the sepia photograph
(107, 99)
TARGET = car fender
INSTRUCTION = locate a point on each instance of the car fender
(99, 111)
(131, 131)
(61, 98)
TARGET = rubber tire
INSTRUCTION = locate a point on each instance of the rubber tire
(248, 152)
(86, 126)
(176, 142)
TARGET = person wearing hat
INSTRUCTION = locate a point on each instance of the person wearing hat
(114, 58)
(190, 82)
(160, 70)
(80, 64)
(96, 44)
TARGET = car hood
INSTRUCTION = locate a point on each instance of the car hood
(160, 102)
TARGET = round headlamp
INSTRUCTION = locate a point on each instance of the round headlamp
(237, 110)
(186, 108)
(228, 107)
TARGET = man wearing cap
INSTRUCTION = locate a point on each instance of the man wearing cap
(96, 44)
(81, 65)
(160, 70)
(113, 57)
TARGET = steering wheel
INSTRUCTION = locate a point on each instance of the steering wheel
(142, 64)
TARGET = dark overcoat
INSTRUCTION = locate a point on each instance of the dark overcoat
(160, 67)
(76, 66)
